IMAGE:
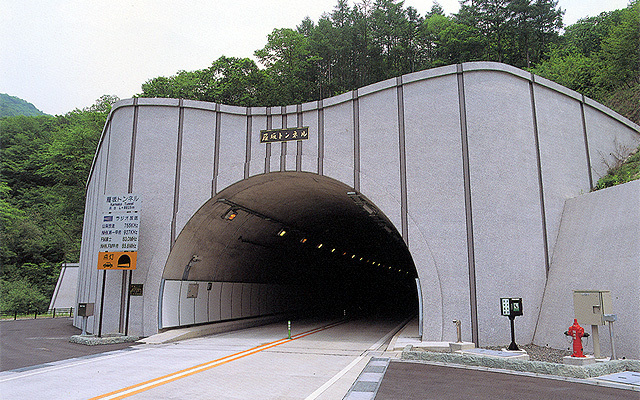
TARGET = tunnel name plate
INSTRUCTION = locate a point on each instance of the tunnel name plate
(284, 135)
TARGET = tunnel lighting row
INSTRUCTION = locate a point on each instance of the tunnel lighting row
(232, 213)
(283, 232)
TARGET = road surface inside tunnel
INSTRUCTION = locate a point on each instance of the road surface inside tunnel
(320, 361)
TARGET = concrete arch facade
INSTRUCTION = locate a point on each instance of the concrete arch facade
(471, 163)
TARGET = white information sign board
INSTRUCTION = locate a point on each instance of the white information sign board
(119, 228)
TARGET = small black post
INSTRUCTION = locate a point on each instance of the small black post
(15, 315)
(54, 312)
(513, 345)
(104, 281)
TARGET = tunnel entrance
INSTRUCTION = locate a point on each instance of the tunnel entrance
(288, 241)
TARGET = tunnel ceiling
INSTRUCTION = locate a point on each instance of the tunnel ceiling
(249, 248)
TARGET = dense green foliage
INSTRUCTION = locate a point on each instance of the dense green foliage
(44, 166)
(11, 106)
(351, 47)
(45, 160)
(600, 56)
(624, 170)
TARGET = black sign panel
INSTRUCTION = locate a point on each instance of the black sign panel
(135, 289)
(284, 135)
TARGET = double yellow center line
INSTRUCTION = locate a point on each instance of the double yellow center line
(153, 383)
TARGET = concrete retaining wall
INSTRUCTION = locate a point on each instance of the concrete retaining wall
(598, 248)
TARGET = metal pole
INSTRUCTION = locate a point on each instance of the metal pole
(611, 318)
(126, 324)
(596, 341)
(513, 345)
(458, 329)
(104, 280)
(420, 316)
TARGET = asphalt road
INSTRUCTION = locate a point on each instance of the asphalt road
(413, 381)
(255, 363)
(31, 342)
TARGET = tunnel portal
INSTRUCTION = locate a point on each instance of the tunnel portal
(457, 176)
(327, 248)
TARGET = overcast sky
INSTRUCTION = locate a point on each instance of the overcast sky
(65, 54)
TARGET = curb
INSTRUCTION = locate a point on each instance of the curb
(536, 367)
(107, 339)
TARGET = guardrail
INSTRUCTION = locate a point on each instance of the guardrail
(52, 313)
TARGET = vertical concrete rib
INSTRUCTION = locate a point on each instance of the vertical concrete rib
(403, 162)
(267, 157)
(320, 137)
(356, 140)
(216, 151)
(299, 124)
(283, 145)
(468, 208)
(134, 136)
(176, 184)
(247, 157)
(543, 214)
(586, 142)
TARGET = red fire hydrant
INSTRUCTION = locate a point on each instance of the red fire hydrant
(577, 332)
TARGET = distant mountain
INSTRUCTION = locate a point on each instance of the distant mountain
(11, 106)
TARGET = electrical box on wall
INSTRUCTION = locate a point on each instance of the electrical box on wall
(590, 306)
(192, 291)
(85, 309)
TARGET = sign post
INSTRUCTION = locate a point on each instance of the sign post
(511, 307)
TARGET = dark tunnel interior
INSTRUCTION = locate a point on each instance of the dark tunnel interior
(303, 230)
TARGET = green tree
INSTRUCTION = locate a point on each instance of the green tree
(289, 63)
(519, 32)
(22, 297)
(235, 81)
(45, 163)
(619, 57)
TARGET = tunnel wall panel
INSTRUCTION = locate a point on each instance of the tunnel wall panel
(246, 299)
(379, 150)
(154, 172)
(187, 305)
(214, 301)
(233, 139)
(258, 150)
(202, 304)
(605, 147)
(196, 159)
(506, 201)
(435, 201)
(171, 304)
(236, 300)
(564, 168)
(310, 147)
(339, 142)
(226, 299)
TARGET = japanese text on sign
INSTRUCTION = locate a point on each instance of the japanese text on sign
(126, 203)
(119, 229)
(119, 232)
(284, 135)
